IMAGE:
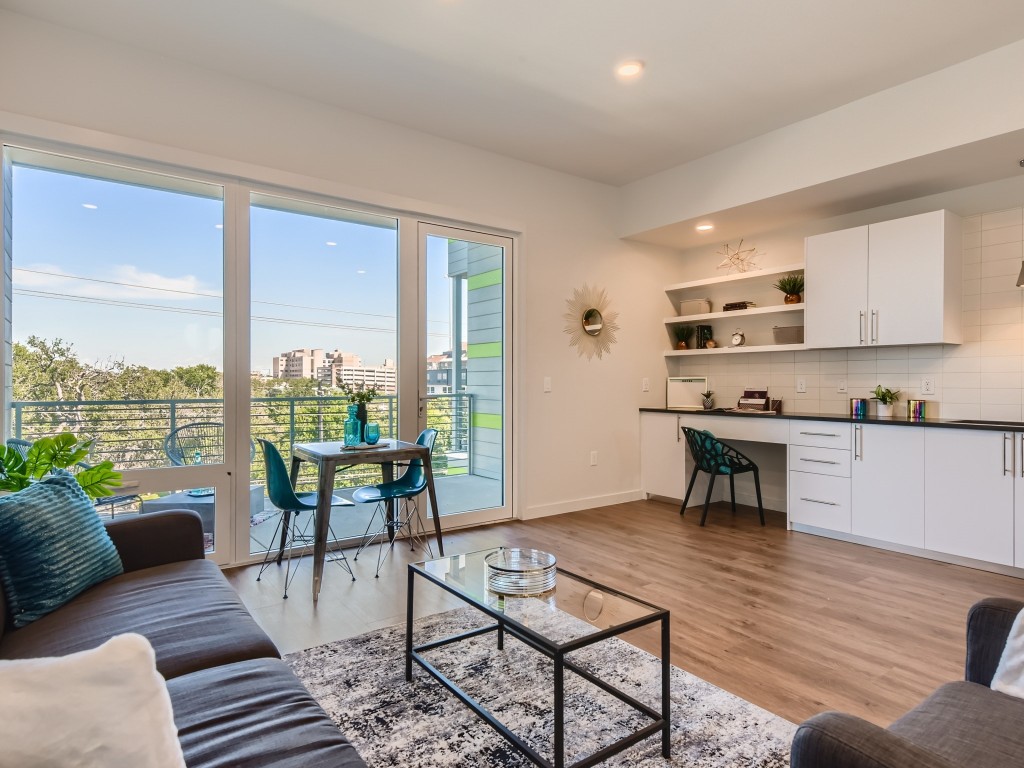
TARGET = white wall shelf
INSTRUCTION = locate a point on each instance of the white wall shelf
(774, 309)
(769, 272)
(736, 350)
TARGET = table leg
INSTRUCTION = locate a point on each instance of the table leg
(294, 476)
(559, 711)
(666, 688)
(387, 470)
(322, 523)
(408, 627)
(429, 471)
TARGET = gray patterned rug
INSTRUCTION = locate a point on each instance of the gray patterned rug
(360, 682)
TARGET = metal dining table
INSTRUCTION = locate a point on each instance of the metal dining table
(331, 457)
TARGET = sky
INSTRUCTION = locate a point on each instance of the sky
(133, 273)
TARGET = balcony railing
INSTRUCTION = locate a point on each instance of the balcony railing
(131, 433)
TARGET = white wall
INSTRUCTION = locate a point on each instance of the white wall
(69, 86)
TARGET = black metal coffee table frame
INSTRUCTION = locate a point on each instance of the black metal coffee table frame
(661, 721)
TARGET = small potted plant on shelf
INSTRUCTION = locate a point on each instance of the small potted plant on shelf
(683, 335)
(886, 398)
(359, 396)
(708, 400)
(792, 285)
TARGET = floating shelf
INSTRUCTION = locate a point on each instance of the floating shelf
(737, 350)
(739, 276)
(774, 309)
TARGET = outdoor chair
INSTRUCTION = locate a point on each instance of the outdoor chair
(292, 505)
(201, 442)
(405, 489)
(713, 456)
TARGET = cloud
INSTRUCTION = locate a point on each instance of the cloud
(123, 281)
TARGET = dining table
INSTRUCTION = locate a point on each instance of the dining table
(334, 456)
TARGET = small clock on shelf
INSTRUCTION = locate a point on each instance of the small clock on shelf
(738, 339)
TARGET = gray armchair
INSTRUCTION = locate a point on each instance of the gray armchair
(962, 725)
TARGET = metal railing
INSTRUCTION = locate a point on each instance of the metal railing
(131, 433)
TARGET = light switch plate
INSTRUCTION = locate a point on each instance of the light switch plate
(645, 385)
(547, 383)
(841, 387)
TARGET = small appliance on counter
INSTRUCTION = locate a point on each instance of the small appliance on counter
(754, 400)
(684, 392)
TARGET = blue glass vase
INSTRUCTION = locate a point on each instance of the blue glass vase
(353, 427)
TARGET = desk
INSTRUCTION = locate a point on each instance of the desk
(329, 457)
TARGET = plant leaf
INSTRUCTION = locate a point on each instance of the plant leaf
(11, 461)
(39, 460)
(99, 480)
(68, 450)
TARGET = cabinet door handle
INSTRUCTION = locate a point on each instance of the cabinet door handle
(819, 501)
(1007, 436)
(834, 434)
(1021, 454)
(874, 326)
(858, 442)
(860, 325)
(679, 428)
(819, 461)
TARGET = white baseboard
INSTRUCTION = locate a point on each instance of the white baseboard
(575, 505)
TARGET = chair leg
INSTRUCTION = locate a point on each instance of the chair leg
(286, 518)
(732, 491)
(367, 540)
(268, 558)
(689, 488)
(757, 488)
(707, 499)
(288, 569)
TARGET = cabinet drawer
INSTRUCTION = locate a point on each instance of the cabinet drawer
(820, 500)
(820, 461)
(823, 434)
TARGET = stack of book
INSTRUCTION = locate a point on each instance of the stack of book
(733, 305)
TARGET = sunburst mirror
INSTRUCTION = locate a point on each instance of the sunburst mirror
(591, 325)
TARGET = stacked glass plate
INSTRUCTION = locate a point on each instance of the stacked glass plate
(521, 572)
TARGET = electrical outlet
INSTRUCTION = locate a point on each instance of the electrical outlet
(593, 458)
(927, 386)
(801, 386)
(547, 383)
(841, 386)
(645, 385)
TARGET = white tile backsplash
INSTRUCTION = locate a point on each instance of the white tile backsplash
(981, 378)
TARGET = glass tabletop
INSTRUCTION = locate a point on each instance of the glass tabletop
(576, 608)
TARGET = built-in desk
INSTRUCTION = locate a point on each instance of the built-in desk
(936, 488)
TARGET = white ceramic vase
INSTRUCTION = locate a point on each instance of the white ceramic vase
(884, 411)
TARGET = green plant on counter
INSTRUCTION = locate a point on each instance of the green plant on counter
(791, 284)
(886, 396)
(63, 451)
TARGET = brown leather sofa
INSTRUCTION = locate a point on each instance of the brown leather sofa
(235, 702)
(964, 724)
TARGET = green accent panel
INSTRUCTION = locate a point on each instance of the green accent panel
(484, 279)
(457, 471)
(487, 420)
(488, 349)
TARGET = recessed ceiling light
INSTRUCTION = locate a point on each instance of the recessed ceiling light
(90, 206)
(330, 242)
(705, 227)
(629, 69)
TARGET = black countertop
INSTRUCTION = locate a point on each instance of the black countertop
(894, 421)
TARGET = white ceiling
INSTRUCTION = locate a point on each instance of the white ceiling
(532, 79)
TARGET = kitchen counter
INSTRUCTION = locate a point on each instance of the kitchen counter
(1003, 426)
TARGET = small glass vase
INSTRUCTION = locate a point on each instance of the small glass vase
(371, 432)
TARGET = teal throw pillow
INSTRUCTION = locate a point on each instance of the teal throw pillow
(53, 546)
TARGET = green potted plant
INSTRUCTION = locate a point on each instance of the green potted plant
(359, 396)
(683, 335)
(18, 470)
(708, 400)
(792, 285)
(885, 397)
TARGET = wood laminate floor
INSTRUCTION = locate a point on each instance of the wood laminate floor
(792, 622)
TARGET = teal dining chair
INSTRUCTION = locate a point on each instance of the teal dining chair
(402, 492)
(292, 505)
(714, 457)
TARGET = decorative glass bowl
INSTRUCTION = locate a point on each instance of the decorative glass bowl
(521, 572)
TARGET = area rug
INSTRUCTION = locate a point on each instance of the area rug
(360, 682)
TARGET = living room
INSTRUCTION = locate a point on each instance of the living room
(826, 623)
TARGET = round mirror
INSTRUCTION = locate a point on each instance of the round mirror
(592, 322)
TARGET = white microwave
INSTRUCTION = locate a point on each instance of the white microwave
(684, 392)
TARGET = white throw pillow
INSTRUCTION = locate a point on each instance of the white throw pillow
(103, 708)
(1009, 676)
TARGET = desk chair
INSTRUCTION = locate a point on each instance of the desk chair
(713, 456)
(291, 504)
(404, 489)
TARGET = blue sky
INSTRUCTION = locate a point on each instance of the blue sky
(138, 276)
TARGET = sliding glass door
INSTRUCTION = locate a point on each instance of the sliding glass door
(465, 371)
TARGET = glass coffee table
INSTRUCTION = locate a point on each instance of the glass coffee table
(595, 613)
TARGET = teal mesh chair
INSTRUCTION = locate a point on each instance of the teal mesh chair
(405, 490)
(292, 506)
(714, 457)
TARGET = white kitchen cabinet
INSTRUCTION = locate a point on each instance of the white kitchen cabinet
(887, 483)
(969, 493)
(663, 464)
(894, 282)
